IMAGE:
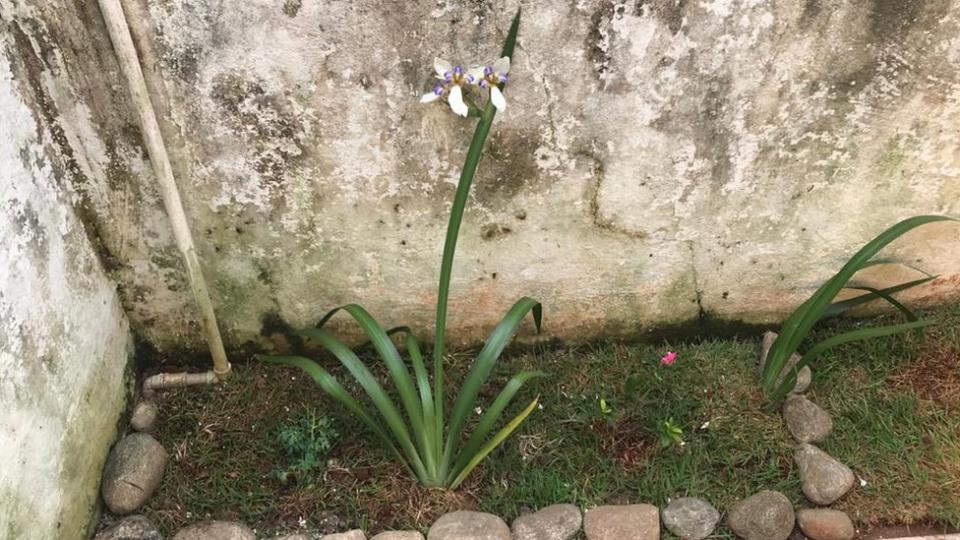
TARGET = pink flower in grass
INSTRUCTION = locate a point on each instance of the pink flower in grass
(668, 359)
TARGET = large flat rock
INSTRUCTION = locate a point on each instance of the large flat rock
(625, 522)
(465, 525)
(133, 471)
(555, 522)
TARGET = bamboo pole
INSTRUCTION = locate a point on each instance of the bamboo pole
(130, 66)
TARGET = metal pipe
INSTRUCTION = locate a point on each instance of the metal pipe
(129, 61)
(176, 380)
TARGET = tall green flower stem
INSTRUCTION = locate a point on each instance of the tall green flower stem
(453, 229)
(433, 451)
(450, 244)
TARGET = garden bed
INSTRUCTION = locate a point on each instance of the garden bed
(895, 403)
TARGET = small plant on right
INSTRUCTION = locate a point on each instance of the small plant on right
(306, 441)
(819, 306)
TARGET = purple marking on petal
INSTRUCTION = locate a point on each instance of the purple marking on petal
(487, 70)
(470, 79)
(458, 70)
(483, 83)
(502, 78)
(438, 89)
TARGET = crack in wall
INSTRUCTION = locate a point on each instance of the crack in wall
(593, 199)
(701, 313)
(551, 121)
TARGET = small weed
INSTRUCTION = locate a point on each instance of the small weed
(306, 440)
(671, 434)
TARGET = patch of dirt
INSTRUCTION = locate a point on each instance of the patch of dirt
(627, 442)
(882, 532)
(934, 376)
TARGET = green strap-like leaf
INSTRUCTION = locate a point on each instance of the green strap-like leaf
(494, 443)
(838, 308)
(419, 369)
(891, 300)
(790, 380)
(483, 365)
(799, 324)
(329, 384)
(490, 418)
(398, 373)
(376, 393)
(878, 262)
(511, 41)
(432, 439)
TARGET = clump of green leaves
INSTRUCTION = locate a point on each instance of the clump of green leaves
(306, 440)
(819, 306)
(670, 434)
(605, 408)
(433, 449)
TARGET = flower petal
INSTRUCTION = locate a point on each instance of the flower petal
(429, 97)
(496, 96)
(456, 101)
(474, 75)
(502, 65)
(669, 359)
(442, 67)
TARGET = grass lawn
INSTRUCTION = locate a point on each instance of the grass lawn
(895, 403)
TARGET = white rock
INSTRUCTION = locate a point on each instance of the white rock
(144, 416)
(556, 522)
(215, 530)
(627, 522)
(464, 525)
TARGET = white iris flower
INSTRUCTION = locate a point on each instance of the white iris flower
(492, 77)
(452, 79)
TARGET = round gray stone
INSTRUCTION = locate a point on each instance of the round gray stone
(823, 478)
(806, 421)
(768, 515)
(293, 537)
(355, 534)
(690, 518)
(556, 522)
(130, 528)
(398, 535)
(825, 524)
(464, 525)
(133, 471)
(144, 416)
(804, 376)
(215, 530)
(627, 522)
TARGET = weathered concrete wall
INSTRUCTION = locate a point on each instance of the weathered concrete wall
(64, 340)
(660, 160)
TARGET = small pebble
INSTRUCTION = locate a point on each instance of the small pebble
(144, 416)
